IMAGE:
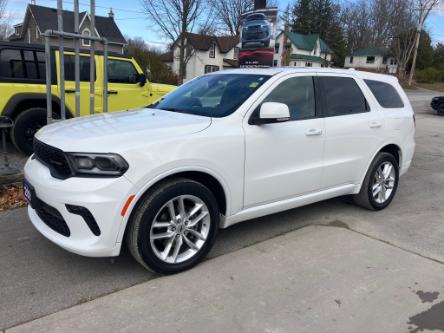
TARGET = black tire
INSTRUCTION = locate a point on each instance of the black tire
(26, 125)
(139, 228)
(365, 197)
(440, 109)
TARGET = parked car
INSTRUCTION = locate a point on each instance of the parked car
(23, 89)
(256, 30)
(223, 148)
(438, 105)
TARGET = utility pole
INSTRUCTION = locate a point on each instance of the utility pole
(284, 57)
(424, 7)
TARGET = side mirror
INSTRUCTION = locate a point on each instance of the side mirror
(142, 79)
(272, 112)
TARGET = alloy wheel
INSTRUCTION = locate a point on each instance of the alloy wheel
(383, 182)
(180, 229)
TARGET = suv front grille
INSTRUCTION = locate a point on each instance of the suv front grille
(53, 158)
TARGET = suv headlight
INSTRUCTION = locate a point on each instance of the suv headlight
(98, 165)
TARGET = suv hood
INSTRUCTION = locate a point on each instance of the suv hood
(115, 131)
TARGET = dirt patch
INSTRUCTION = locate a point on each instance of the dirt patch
(11, 196)
(339, 224)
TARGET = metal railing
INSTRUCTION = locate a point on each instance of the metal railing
(62, 35)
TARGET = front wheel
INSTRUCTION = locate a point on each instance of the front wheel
(174, 226)
(380, 183)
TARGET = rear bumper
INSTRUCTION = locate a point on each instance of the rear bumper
(103, 198)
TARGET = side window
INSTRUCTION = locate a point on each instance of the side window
(121, 72)
(385, 93)
(70, 67)
(210, 69)
(30, 65)
(298, 94)
(342, 96)
(12, 65)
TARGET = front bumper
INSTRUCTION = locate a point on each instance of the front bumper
(102, 197)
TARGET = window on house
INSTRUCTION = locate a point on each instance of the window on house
(384, 60)
(213, 50)
(370, 60)
(276, 48)
(236, 53)
(298, 94)
(211, 68)
(275, 63)
(37, 34)
(343, 96)
(385, 93)
(70, 68)
(86, 42)
(351, 59)
(295, 64)
(29, 36)
(308, 64)
(120, 71)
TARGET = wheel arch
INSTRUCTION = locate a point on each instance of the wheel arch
(21, 102)
(391, 148)
(206, 177)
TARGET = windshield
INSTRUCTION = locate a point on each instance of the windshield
(212, 95)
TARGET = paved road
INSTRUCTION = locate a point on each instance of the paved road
(38, 278)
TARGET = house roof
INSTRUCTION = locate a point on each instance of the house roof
(46, 18)
(204, 42)
(371, 51)
(307, 41)
(297, 56)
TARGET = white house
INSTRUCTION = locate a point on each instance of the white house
(378, 59)
(306, 50)
(206, 54)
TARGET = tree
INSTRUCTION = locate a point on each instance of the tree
(5, 27)
(438, 55)
(150, 59)
(425, 52)
(321, 17)
(175, 18)
(229, 13)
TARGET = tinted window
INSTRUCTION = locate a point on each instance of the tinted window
(342, 96)
(385, 93)
(12, 64)
(216, 95)
(121, 72)
(70, 67)
(298, 94)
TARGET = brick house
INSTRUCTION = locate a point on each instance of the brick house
(38, 19)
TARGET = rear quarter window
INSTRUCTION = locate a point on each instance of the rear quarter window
(385, 94)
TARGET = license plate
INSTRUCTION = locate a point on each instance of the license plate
(27, 192)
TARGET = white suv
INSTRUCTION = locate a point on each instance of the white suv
(223, 148)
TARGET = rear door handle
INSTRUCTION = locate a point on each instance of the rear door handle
(112, 92)
(70, 91)
(375, 124)
(313, 132)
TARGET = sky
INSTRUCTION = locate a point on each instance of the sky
(134, 23)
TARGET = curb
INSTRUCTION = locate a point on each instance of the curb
(7, 180)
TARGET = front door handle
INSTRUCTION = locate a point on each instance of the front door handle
(313, 132)
(70, 91)
(375, 124)
(112, 92)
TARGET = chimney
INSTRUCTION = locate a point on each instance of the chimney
(111, 13)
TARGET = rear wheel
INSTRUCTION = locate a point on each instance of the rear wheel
(380, 183)
(26, 125)
(174, 226)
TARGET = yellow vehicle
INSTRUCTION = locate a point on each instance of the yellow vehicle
(23, 87)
